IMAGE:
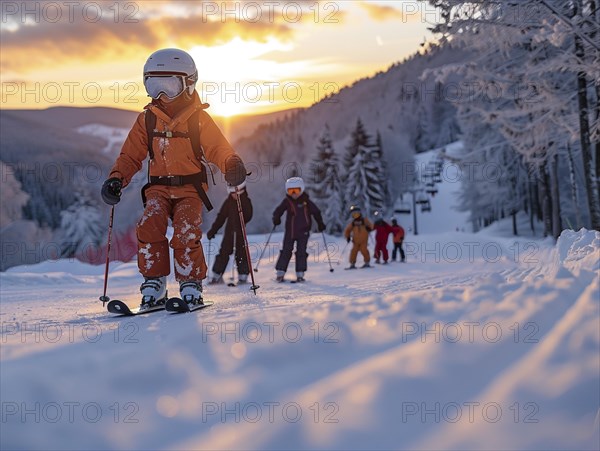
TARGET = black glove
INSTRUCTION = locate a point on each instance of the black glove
(235, 171)
(348, 240)
(276, 221)
(321, 227)
(211, 234)
(111, 191)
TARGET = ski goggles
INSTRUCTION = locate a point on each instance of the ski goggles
(296, 191)
(169, 85)
(356, 214)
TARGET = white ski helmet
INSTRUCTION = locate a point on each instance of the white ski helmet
(170, 71)
(233, 189)
(295, 182)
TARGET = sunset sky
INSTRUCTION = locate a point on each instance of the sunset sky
(252, 57)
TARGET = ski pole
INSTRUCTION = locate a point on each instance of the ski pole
(233, 260)
(209, 252)
(254, 287)
(264, 249)
(327, 251)
(105, 298)
(343, 252)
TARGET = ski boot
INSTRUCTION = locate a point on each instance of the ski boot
(280, 275)
(191, 292)
(366, 265)
(154, 292)
(242, 279)
(300, 277)
(352, 266)
(378, 262)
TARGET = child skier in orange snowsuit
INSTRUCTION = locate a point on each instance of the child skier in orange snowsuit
(167, 130)
(358, 231)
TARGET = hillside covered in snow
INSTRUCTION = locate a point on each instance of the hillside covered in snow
(476, 343)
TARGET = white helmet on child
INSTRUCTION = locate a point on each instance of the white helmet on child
(170, 72)
(294, 184)
(233, 189)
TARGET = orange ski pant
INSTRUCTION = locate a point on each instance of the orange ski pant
(363, 249)
(183, 206)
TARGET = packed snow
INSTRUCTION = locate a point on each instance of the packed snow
(475, 343)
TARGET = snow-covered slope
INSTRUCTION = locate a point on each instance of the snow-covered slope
(475, 343)
(444, 215)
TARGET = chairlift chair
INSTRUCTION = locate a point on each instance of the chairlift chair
(403, 208)
(421, 198)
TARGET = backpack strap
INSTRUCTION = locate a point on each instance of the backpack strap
(194, 136)
(150, 120)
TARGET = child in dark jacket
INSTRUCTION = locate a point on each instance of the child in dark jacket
(232, 236)
(300, 210)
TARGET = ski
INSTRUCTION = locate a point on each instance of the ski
(120, 308)
(177, 305)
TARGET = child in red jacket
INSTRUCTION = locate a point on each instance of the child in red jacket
(382, 233)
(398, 234)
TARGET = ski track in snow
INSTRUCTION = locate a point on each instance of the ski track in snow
(374, 361)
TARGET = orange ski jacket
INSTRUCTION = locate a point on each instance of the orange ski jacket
(172, 156)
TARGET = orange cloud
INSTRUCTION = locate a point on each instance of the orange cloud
(381, 13)
(77, 37)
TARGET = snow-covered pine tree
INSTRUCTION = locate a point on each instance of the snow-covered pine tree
(325, 184)
(81, 226)
(382, 174)
(364, 175)
(318, 166)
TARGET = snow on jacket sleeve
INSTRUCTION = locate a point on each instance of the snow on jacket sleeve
(133, 153)
(215, 145)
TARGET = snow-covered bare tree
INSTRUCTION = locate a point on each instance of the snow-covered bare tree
(541, 65)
